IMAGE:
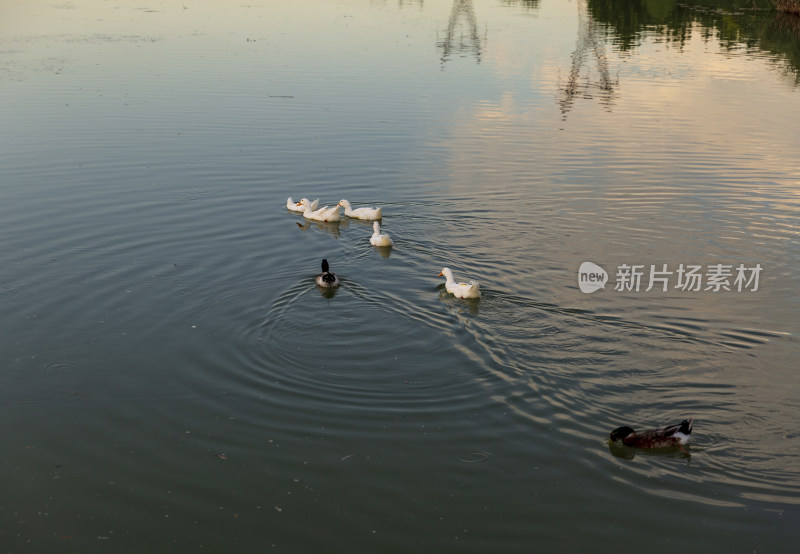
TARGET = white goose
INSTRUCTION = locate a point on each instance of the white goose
(379, 239)
(295, 206)
(460, 290)
(360, 213)
(322, 214)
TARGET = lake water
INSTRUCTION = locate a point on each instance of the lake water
(172, 380)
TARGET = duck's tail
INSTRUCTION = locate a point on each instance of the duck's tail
(333, 213)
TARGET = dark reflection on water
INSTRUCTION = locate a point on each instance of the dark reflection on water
(332, 228)
(467, 305)
(735, 23)
(462, 36)
(384, 251)
(628, 453)
(328, 292)
(589, 48)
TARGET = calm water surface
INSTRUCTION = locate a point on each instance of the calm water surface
(171, 378)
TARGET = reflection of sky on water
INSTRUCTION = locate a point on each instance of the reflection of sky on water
(534, 117)
(657, 118)
(684, 164)
(514, 102)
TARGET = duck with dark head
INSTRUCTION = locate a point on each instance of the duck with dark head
(667, 437)
(327, 279)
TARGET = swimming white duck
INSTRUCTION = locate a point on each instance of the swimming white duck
(326, 278)
(360, 213)
(379, 239)
(296, 207)
(322, 214)
(460, 290)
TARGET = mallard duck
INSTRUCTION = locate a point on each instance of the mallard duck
(296, 207)
(326, 278)
(674, 435)
(460, 290)
(322, 214)
(360, 213)
(378, 239)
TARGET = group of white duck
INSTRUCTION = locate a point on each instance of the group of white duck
(311, 210)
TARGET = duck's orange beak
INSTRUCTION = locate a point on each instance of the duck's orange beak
(299, 203)
(440, 274)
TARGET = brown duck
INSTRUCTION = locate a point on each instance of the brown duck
(674, 435)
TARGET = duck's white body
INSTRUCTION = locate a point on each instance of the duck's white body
(296, 207)
(460, 290)
(360, 213)
(379, 239)
(322, 214)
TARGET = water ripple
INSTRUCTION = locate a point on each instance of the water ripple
(328, 351)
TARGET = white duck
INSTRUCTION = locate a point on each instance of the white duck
(360, 213)
(296, 207)
(322, 214)
(460, 290)
(379, 239)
